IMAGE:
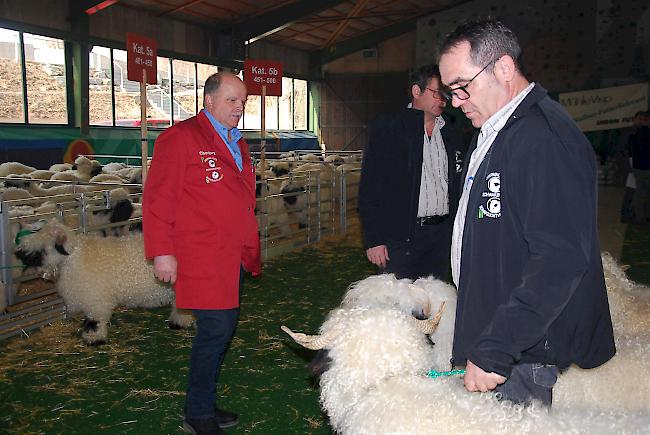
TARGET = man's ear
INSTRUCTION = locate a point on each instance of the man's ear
(416, 91)
(505, 67)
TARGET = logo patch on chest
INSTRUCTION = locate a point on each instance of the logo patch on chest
(492, 206)
(213, 172)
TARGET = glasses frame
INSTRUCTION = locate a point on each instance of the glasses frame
(437, 93)
(451, 93)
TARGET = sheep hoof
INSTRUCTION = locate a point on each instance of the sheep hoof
(95, 343)
(94, 332)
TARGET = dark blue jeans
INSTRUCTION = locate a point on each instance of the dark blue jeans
(529, 382)
(214, 329)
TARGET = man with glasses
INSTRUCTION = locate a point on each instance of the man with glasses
(410, 184)
(525, 252)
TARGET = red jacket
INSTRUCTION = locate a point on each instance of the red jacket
(200, 208)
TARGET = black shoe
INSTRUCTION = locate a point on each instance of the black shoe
(225, 418)
(209, 426)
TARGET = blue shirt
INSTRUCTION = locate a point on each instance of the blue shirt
(235, 135)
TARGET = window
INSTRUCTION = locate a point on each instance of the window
(287, 112)
(127, 93)
(271, 113)
(100, 100)
(11, 82)
(300, 104)
(203, 71)
(46, 83)
(32, 77)
(159, 96)
(184, 87)
(285, 109)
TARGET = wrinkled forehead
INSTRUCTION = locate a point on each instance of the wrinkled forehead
(456, 66)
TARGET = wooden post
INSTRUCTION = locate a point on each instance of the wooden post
(263, 138)
(144, 143)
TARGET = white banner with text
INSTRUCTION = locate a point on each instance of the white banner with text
(606, 108)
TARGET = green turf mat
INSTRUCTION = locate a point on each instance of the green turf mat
(636, 253)
(51, 383)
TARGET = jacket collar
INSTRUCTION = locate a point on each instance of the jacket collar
(214, 137)
(537, 94)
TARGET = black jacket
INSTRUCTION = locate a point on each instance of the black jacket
(531, 282)
(390, 177)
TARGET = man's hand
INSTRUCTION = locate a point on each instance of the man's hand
(378, 255)
(164, 268)
(476, 379)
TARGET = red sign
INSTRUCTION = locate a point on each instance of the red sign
(258, 73)
(141, 56)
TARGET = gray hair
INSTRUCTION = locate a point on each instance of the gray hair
(488, 39)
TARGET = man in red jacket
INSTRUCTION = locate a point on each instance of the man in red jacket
(200, 230)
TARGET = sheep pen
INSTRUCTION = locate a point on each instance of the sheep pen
(374, 378)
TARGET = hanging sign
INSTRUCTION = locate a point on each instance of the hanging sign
(141, 56)
(258, 73)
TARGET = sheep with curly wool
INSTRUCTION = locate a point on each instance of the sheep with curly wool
(97, 274)
(14, 168)
(621, 383)
(375, 380)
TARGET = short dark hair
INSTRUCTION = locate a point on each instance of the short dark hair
(488, 39)
(422, 76)
(212, 83)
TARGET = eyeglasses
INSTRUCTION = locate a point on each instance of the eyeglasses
(437, 93)
(461, 92)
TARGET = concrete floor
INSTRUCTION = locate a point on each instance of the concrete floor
(611, 230)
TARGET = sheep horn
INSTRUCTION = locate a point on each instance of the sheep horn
(428, 326)
(313, 342)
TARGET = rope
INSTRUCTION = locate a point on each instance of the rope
(436, 374)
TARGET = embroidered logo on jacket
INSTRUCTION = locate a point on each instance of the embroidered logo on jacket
(492, 206)
(458, 160)
(213, 171)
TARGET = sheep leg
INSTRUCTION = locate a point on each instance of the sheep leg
(95, 332)
(180, 318)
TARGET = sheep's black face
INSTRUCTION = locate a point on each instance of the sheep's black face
(320, 364)
(419, 314)
(258, 186)
(19, 184)
(291, 199)
(96, 170)
(279, 172)
(30, 258)
(121, 211)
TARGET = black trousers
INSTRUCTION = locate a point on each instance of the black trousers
(426, 253)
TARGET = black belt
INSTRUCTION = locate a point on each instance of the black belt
(431, 220)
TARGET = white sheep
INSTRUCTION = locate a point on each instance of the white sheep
(97, 274)
(83, 170)
(113, 167)
(375, 381)
(15, 168)
(334, 159)
(60, 167)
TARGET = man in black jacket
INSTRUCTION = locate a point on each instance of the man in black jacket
(640, 154)
(525, 252)
(410, 184)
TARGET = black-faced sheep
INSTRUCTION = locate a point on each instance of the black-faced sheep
(375, 381)
(97, 274)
